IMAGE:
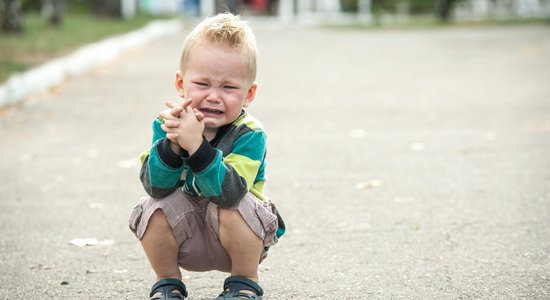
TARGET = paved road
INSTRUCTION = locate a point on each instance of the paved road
(408, 164)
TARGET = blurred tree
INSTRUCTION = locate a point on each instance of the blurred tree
(443, 9)
(31, 5)
(53, 11)
(107, 8)
(384, 6)
(349, 5)
(10, 11)
(421, 6)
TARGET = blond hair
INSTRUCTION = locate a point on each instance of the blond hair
(226, 30)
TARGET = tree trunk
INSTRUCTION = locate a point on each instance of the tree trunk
(11, 16)
(53, 11)
(444, 9)
(107, 8)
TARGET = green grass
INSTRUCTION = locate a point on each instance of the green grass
(40, 42)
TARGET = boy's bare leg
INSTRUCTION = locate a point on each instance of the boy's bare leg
(242, 244)
(161, 247)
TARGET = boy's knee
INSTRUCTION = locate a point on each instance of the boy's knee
(229, 217)
(158, 221)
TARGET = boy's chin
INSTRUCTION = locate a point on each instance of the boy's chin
(212, 125)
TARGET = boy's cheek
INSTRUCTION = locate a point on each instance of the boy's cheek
(195, 97)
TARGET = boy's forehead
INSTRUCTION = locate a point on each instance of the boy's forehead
(246, 61)
(217, 46)
(218, 49)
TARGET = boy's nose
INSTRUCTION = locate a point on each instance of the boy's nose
(213, 95)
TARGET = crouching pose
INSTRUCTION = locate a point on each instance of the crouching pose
(205, 171)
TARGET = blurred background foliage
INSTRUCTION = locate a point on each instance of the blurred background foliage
(392, 6)
(104, 8)
(412, 7)
(42, 34)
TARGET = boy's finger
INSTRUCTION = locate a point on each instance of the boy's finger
(176, 111)
(166, 115)
(171, 104)
(198, 114)
(165, 129)
(171, 124)
(171, 136)
(186, 103)
(175, 108)
(189, 109)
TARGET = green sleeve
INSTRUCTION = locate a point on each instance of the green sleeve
(161, 169)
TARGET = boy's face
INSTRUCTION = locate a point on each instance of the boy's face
(216, 79)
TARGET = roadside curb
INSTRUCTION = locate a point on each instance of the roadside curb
(19, 86)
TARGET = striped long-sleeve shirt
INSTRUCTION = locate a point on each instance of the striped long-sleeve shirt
(222, 170)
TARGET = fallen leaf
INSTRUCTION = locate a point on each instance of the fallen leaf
(42, 267)
(106, 243)
(96, 205)
(368, 184)
(357, 133)
(93, 153)
(25, 157)
(127, 164)
(83, 242)
(464, 151)
(490, 136)
(538, 126)
(90, 242)
(417, 146)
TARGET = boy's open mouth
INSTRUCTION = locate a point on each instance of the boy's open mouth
(211, 111)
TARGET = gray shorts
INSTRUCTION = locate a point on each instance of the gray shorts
(194, 223)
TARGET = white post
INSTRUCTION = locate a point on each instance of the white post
(331, 8)
(128, 8)
(364, 10)
(527, 8)
(286, 10)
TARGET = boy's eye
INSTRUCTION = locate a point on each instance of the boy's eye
(230, 87)
(200, 83)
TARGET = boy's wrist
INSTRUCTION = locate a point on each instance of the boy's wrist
(175, 147)
(195, 145)
(167, 154)
(202, 157)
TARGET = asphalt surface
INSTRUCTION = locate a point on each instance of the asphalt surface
(408, 164)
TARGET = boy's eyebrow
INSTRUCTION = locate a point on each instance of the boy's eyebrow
(224, 80)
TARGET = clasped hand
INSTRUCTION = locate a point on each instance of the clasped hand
(183, 125)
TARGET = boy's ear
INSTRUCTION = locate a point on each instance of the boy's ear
(250, 94)
(179, 84)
